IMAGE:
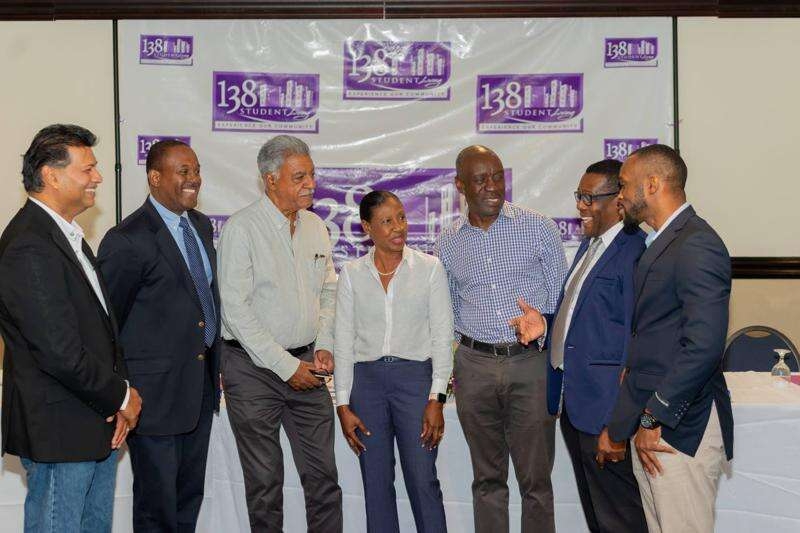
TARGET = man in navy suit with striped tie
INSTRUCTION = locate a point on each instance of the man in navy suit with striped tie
(160, 267)
(588, 345)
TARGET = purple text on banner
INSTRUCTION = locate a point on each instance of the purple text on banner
(570, 229)
(529, 103)
(166, 49)
(145, 142)
(391, 70)
(429, 196)
(631, 52)
(620, 149)
(260, 101)
(217, 221)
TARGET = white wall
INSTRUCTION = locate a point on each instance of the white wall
(738, 87)
(56, 72)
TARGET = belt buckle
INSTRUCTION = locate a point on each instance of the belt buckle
(500, 350)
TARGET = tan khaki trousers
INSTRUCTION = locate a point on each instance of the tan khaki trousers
(682, 498)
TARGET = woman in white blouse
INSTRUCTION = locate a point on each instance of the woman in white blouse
(393, 353)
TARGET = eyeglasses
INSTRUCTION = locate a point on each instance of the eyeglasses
(587, 198)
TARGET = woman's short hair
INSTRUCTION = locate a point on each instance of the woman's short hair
(373, 200)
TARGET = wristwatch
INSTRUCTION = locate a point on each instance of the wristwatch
(441, 398)
(648, 421)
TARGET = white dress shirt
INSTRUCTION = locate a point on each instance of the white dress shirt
(606, 238)
(74, 234)
(412, 319)
(278, 291)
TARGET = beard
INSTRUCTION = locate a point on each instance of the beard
(634, 214)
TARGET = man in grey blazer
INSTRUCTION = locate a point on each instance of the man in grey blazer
(674, 401)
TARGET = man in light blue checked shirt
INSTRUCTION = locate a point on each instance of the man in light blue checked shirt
(500, 257)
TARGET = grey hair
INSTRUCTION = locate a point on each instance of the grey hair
(276, 150)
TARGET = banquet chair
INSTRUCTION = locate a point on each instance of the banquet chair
(751, 348)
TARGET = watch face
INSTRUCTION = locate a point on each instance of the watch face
(647, 421)
(442, 398)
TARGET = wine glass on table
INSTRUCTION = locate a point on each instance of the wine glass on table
(781, 369)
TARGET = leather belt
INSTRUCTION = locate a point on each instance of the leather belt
(297, 352)
(506, 349)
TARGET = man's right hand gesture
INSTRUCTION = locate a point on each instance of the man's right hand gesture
(303, 379)
(530, 325)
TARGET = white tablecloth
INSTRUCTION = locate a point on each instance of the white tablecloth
(760, 493)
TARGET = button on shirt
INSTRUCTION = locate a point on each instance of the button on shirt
(278, 291)
(606, 238)
(412, 319)
(521, 255)
(172, 222)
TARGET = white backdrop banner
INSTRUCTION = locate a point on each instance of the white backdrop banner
(389, 104)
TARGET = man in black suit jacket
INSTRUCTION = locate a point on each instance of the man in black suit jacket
(66, 404)
(674, 397)
(160, 267)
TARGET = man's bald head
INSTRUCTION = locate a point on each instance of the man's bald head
(468, 153)
(662, 161)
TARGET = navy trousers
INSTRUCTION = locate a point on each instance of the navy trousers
(169, 474)
(390, 395)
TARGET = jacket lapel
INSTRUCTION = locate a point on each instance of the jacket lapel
(172, 254)
(656, 248)
(65, 248)
(578, 257)
(613, 250)
(87, 251)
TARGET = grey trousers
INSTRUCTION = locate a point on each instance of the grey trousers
(258, 403)
(501, 404)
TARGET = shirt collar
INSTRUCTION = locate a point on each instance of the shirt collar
(172, 220)
(610, 234)
(408, 258)
(505, 212)
(654, 235)
(279, 219)
(71, 230)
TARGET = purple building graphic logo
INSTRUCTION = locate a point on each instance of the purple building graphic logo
(259, 101)
(631, 52)
(570, 229)
(389, 70)
(145, 142)
(217, 221)
(620, 149)
(429, 196)
(529, 103)
(166, 49)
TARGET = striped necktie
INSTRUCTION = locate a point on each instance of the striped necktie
(570, 293)
(198, 273)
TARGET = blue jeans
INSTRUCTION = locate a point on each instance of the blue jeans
(70, 497)
(389, 396)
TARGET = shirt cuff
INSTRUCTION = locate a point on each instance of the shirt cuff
(286, 367)
(438, 386)
(540, 340)
(342, 398)
(127, 396)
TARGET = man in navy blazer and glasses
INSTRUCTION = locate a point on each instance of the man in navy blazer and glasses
(588, 339)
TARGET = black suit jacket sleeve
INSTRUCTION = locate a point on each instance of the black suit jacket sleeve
(703, 288)
(39, 302)
(121, 268)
